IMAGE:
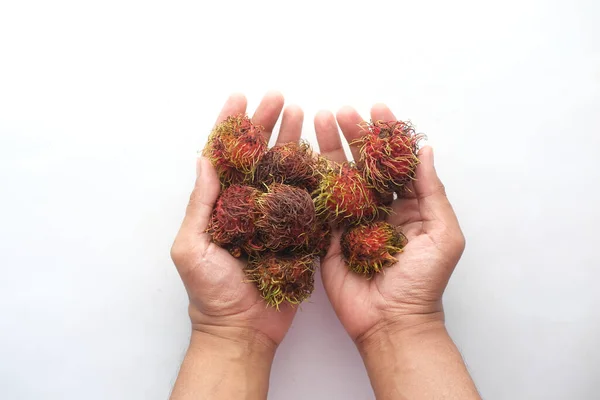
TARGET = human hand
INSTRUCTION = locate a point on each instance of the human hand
(222, 302)
(410, 292)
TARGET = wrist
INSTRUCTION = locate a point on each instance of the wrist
(415, 358)
(400, 330)
(224, 363)
(239, 345)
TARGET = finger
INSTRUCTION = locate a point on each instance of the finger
(349, 121)
(203, 197)
(291, 125)
(235, 104)
(381, 112)
(267, 112)
(333, 268)
(328, 137)
(431, 195)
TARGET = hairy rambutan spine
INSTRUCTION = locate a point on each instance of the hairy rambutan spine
(388, 154)
(292, 164)
(344, 197)
(287, 217)
(232, 221)
(234, 148)
(282, 277)
(370, 248)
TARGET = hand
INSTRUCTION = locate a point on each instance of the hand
(222, 302)
(410, 292)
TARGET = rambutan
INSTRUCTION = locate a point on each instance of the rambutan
(370, 248)
(282, 277)
(287, 217)
(234, 148)
(291, 163)
(318, 243)
(344, 197)
(232, 221)
(388, 154)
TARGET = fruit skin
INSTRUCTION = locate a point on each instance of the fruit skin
(388, 154)
(282, 277)
(234, 147)
(321, 240)
(370, 248)
(292, 164)
(232, 223)
(344, 197)
(287, 218)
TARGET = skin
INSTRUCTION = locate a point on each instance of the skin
(396, 320)
(234, 335)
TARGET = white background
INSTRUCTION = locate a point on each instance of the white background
(104, 104)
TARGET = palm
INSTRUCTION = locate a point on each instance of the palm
(219, 292)
(416, 283)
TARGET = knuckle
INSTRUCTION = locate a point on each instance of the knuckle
(461, 242)
(440, 188)
(179, 252)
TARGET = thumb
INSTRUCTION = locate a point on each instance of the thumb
(430, 191)
(203, 197)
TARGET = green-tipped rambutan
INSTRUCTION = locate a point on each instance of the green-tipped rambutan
(292, 164)
(234, 148)
(368, 249)
(287, 217)
(344, 197)
(232, 221)
(282, 277)
(388, 154)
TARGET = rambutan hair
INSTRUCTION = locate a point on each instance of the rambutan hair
(344, 197)
(234, 148)
(292, 164)
(388, 154)
(282, 277)
(370, 248)
(287, 217)
(232, 221)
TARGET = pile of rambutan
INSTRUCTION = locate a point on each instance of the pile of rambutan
(277, 206)
(386, 165)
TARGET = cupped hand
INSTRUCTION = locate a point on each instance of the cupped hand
(222, 302)
(410, 292)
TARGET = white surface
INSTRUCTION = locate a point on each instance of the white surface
(103, 105)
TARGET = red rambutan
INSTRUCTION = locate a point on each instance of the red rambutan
(388, 154)
(286, 218)
(234, 147)
(344, 197)
(282, 277)
(321, 240)
(291, 163)
(370, 248)
(232, 221)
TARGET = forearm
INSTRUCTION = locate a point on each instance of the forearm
(218, 367)
(418, 362)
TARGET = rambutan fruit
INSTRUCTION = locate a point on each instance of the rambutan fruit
(388, 154)
(321, 240)
(234, 148)
(287, 217)
(282, 277)
(370, 248)
(344, 197)
(232, 221)
(292, 164)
